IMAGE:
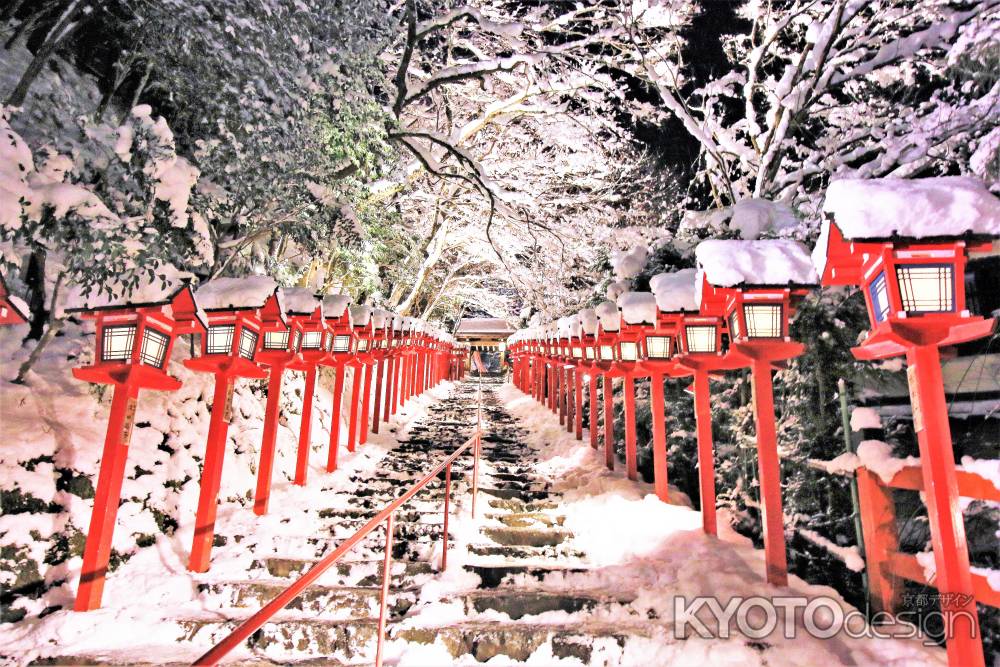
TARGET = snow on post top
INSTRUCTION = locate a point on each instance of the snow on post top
(638, 307)
(616, 289)
(920, 208)
(334, 305)
(235, 293)
(361, 315)
(676, 291)
(629, 264)
(588, 321)
(379, 317)
(565, 326)
(610, 316)
(728, 263)
(299, 300)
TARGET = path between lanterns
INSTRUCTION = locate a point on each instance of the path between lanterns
(566, 563)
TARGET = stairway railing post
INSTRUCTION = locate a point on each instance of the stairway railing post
(386, 577)
(444, 531)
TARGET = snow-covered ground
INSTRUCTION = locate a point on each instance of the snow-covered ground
(637, 545)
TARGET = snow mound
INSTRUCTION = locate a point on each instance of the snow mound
(589, 321)
(334, 305)
(638, 307)
(676, 291)
(299, 300)
(610, 316)
(727, 263)
(862, 418)
(379, 317)
(616, 289)
(166, 282)
(629, 264)
(235, 293)
(750, 218)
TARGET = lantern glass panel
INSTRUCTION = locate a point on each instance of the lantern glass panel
(879, 293)
(328, 342)
(342, 344)
(312, 340)
(658, 347)
(220, 339)
(590, 352)
(926, 288)
(577, 352)
(275, 340)
(248, 343)
(700, 338)
(154, 347)
(628, 350)
(763, 320)
(734, 324)
(607, 353)
(117, 343)
(363, 345)
(296, 340)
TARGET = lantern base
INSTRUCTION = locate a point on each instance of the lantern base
(688, 364)
(137, 375)
(744, 353)
(230, 366)
(892, 339)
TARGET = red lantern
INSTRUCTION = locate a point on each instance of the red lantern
(134, 342)
(12, 309)
(308, 335)
(906, 244)
(341, 348)
(361, 318)
(381, 324)
(228, 349)
(755, 286)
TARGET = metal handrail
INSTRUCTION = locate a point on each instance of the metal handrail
(280, 601)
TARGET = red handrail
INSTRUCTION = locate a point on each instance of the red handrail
(280, 601)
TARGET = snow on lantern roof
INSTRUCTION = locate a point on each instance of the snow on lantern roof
(729, 263)
(589, 321)
(379, 318)
(610, 316)
(616, 289)
(334, 305)
(300, 301)
(569, 326)
(159, 290)
(638, 307)
(236, 293)
(483, 325)
(361, 315)
(629, 264)
(676, 291)
(921, 208)
(750, 217)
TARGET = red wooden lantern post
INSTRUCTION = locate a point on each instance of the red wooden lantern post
(134, 341)
(228, 348)
(341, 348)
(393, 337)
(589, 325)
(379, 351)
(755, 285)
(697, 350)
(12, 309)
(655, 348)
(576, 349)
(364, 334)
(604, 350)
(912, 270)
(625, 365)
(304, 311)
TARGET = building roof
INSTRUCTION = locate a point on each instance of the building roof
(483, 326)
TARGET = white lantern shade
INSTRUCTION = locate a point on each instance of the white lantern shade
(878, 292)
(117, 342)
(220, 339)
(926, 288)
(700, 338)
(312, 340)
(342, 343)
(763, 320)
(276, 340)
(658, 347)
(628, 350)
(248, 343)
(154, 347)
(607, 353)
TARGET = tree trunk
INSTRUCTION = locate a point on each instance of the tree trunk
(63, 28)
(55, 326)
(11, 10)
(139, 90)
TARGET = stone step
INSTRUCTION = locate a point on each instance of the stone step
(523, 495)
(528, 519)
(362, 573)
(518, 505)
(333, 602)
(519, 603)
(546, 553)
(495, 576)
(527, 537)
(517, 641)
(349, 641)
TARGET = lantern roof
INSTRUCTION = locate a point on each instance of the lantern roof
(768, 263)
(301, 301)
(159, 289)
(638, 307)
(872, 211)
(361, 315)
(379, 317)
(676, 291)
(334, 305)
(610, 316)
(589, 321)
(249, 293)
